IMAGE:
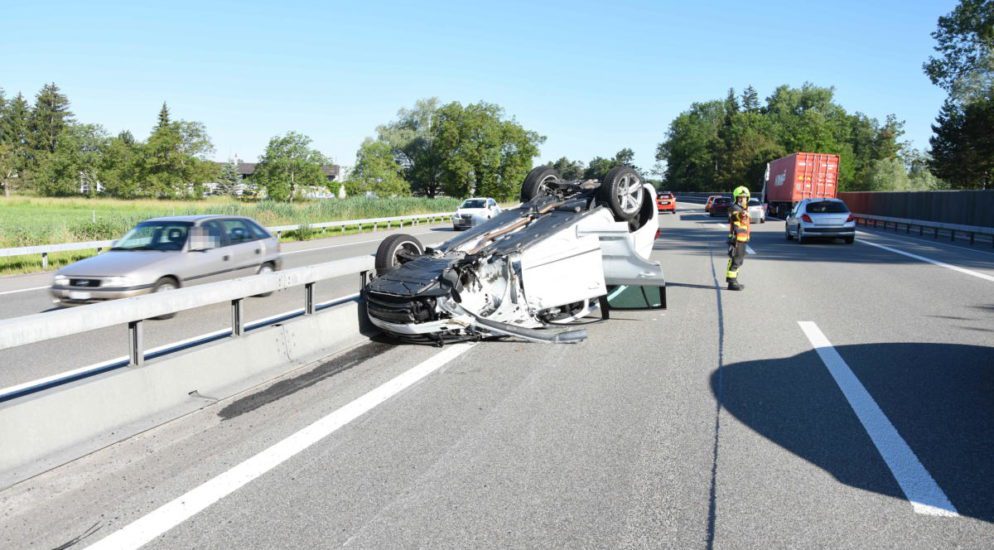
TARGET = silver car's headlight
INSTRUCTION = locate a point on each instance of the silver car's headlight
(60, 280)
(125, 281)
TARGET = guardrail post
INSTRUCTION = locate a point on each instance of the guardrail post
(935, 232)
(921, 230)
(908, 228)
(374, 226)
(971, 238)
(952, 234)
(136, 350)
(237, 319)
(44, 260)
(309, 299)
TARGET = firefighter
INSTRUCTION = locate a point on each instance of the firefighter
(738, 235)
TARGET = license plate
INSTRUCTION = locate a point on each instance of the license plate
(78, 295)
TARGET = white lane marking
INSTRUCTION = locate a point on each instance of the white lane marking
(171, 514)
(23, 290)
(931, 261)
(749, 250)
(103, 364)
(919, 487)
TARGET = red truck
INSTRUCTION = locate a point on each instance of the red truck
(800, 176)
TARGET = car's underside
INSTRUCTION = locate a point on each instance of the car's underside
(525, 273)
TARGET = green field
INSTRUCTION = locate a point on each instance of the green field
(26, 221)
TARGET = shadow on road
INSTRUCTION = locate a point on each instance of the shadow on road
(940, 397)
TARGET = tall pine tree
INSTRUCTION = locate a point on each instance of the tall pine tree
(49, 118)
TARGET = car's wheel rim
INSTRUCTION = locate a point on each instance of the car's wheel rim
(408, 246)
(165, 287)
(629, 194)
(265, 269)
(544, 185)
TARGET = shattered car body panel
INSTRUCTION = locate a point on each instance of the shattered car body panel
(525, 273)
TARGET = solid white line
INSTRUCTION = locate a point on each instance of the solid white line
(171, 514)
(919, 487)
(23, 290)
(929, 260)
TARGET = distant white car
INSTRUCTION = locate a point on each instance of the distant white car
(757, 211)
(474, 211)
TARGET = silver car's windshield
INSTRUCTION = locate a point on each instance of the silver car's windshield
(474, 203)
(153, 235)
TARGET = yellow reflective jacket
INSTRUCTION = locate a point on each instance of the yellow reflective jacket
(738, 223)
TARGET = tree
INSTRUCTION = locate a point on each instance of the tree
(228, 177)
(174, 159)
(750, 100)
(569, 169)
(413, 140)
(288, 163)
(962, 145)
(377, 171)
(14, 131)
(964, 66)
(121, 167)
(74, 166)
(49, 118)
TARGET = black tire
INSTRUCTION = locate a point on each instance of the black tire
(267, 267)
(387, 253)
(537, 182)
(621, 191)
(786, 231)
(165, 284)
(800, 235)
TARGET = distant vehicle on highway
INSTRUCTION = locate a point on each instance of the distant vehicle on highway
(757, 211)
(800, 176)
(163, 254)
(666, 202)
(720, 206)
(821, 218)
(474, 211)
(710, 201)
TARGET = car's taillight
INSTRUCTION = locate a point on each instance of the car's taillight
(806, 218)
(659, 233)
(850, 219)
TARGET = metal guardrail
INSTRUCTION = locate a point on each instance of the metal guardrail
(39, 327)
(46, 249)
(922, 225)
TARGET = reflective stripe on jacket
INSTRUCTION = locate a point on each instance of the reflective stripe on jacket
(738, 223)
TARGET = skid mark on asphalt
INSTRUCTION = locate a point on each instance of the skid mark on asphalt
(919, 487)
(175, 512)
(713, 491)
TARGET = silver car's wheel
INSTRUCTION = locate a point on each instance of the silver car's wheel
(800, 235)
(621, 190)
(264, 269)
(165, 284)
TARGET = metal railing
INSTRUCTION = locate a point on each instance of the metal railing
(46, 249)
(39, 327)
(935, 227)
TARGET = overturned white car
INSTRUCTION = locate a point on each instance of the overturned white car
(570, 247)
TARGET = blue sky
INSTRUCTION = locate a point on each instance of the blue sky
(593, 77)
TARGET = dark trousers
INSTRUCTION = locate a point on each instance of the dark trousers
(736, 257)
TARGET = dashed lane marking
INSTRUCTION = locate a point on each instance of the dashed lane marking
(919, 487)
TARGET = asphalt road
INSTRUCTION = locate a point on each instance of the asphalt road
(715, 423)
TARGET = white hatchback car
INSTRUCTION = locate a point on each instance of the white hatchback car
(757, 211)
(821, 218)
(474, 211)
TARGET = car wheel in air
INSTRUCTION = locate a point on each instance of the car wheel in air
(395, 250)
(621, 190)
(539, 182)
(263, 269)
(165, 284)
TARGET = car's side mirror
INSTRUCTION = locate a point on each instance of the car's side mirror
(202, 241)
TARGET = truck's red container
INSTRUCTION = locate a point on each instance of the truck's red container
(801, 176)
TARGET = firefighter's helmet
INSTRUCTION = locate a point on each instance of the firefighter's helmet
(740, 191)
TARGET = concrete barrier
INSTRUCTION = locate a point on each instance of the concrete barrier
(47, 429)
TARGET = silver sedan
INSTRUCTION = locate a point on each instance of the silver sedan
(167, 253)
(821, 218)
